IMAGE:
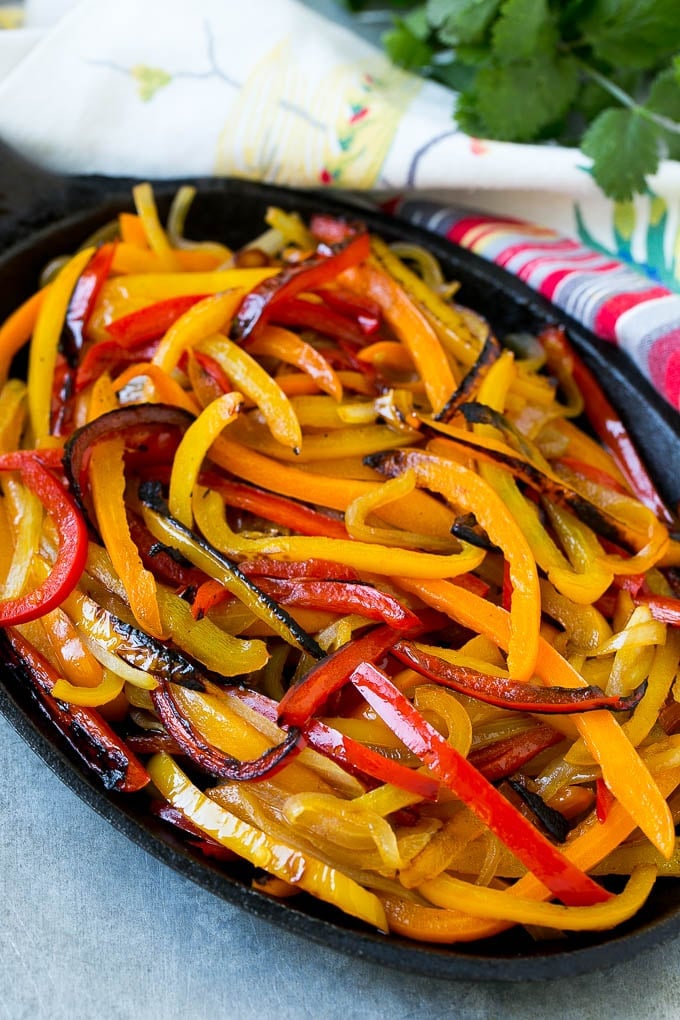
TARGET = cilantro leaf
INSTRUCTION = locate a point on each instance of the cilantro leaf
(624, 147)
(461, 21)
(515, 102)
(633, 33)
(664, 98)
(405, 47)
(523, 28)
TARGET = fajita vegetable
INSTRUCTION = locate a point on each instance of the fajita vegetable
(301, 553)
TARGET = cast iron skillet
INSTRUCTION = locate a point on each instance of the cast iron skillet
(42, 216)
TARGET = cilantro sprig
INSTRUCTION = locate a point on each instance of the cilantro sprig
(600, 74)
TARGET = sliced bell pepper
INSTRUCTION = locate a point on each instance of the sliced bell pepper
(306, 275)
(310, 315)
(308, 695)
(340, 597)
(152, 321)
(362, 310)
(83, 728)
(506, 693)
(109, 356)
(286, 346)
(17, 329)
(624, 771)
(608, 425)
(567, 882)
(72, 533)
(504, 757)
(664, 608)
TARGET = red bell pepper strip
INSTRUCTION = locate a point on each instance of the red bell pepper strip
(309, 274)
(324, 320)
(347, 752)
(210, 758)
(567, 882)
(505, 757)
(160, 561)
(506, 693)
(212, 367)
(263, 566)
(340, 597)
(594, 474)
(279, 509)
(664, 608)
(604, 799)
(353, 306)
(72, 533)
(608, 425)
(72, 336)
(302, 701)
(151, 322)
(82, 301)
(86, 732)
(110, 356)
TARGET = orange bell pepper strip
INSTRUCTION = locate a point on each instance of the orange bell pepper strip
(274, 342)
(465, 489)
(166, 389)
(16, 330)
(411, 327)
(624, 771)
(132, 230)
(418, 512)
(107, 481)
(201, 320)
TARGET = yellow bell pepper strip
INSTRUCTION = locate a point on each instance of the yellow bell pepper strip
(204, 556)
(309, 274)
(107, 488)
(418, 512)
(193, 449)
(106, 690)
(210, 758)
(454, 894)
(567, 882)
(261, 850)
(72, 535)
(411, 327)
(91, 738)
(507, 693)
(42, 356)
(623, 769)
(354, 441)
(155, 235)
(17, 330)
(282, 344)
(608, 425)
(464, 488)
(244, 372)
(203, 319)
(363, 556)
(349, 753)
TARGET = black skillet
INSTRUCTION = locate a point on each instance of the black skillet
(42, 216)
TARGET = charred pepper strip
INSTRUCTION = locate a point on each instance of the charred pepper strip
(306, 275)
(608, 425)
(309, 315)
(567, 882)
(506, 693)
(210, 758)
(490, 352)
(204, 556)
(72, 532)
(86, 732)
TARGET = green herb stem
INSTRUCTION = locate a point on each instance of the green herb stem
(627, 100)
